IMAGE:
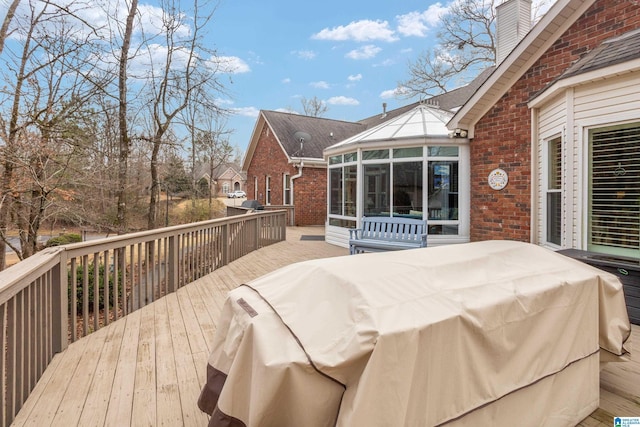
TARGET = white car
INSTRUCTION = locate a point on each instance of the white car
(237, 193)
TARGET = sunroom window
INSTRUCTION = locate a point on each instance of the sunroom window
(343, 185)
(614, 190)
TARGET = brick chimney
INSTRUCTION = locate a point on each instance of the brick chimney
(513, 22)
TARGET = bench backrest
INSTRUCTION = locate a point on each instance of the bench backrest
(393, 228)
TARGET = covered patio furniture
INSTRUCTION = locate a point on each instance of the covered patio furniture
(485, 333)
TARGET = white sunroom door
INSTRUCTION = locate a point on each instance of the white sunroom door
(614, 190)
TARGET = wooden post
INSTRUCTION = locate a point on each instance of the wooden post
(225, 244)
(174, 259)
(59, 304)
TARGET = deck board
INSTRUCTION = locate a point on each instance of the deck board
(148, 368)
(143, 411)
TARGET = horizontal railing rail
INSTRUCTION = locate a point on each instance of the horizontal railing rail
(64, 293)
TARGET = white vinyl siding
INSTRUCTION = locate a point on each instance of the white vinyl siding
(552, 121)
(575, 113)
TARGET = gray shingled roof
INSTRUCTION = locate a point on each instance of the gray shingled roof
(323, 132)
(610, 52)
(327, 132)
(448, 101)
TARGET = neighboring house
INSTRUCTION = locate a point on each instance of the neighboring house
(284, 164)
(226, 178)
(560, 119)
(282, 170)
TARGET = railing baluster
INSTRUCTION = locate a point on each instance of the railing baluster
(5, 418)
(85, 294)
(39, 304)
(106, 273)
(96, 291)
(73, 304)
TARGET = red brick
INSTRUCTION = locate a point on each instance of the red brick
(502, 137)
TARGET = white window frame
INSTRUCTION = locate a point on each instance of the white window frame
(546, 190)
(286, 189)
(255, 188)
(267, 190)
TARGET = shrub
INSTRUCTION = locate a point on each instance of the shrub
(90, 287)
(64, 239)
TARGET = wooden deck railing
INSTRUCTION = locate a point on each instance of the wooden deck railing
(63, 293)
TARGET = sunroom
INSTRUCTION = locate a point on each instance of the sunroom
(409, 166)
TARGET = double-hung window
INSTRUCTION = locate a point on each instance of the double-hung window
(268, 190)
(554, 191)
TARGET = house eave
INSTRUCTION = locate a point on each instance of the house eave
(390, 143)
(308, 162)
(584, 78)
(552, 25)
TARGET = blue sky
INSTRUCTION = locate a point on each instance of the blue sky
(350, 54)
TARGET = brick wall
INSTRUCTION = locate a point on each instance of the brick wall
(309, 190)
(503, 136)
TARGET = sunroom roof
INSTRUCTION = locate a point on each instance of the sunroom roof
(422, 121)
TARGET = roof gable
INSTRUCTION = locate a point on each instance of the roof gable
(553, 24)
(322, 132)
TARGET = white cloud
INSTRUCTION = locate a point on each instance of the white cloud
(286, 80)
(230, 64)
(246, 111)
(386, 63)
(221, 101)
(360, 31)
(342, 100)
(364, 52)
(320, 85)
(393, 93)
(304, 54)
(355, 78)
(418, 23)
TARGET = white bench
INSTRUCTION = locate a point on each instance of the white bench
(384, 233)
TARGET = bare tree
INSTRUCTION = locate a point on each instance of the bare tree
(314, 107)
(4, 30)
(183, 72)
(217, 150)
(465, 46)
(123, 125)
(46, 89)
(465, 42)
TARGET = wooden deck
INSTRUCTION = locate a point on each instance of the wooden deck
(148, 368)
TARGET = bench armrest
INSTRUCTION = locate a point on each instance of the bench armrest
(355, 233)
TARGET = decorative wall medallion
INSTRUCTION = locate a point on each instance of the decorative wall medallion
(498, 179)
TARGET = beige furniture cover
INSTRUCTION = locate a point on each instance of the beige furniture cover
(487, 333)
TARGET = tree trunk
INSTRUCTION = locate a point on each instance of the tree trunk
(155, 187)
(124, 141)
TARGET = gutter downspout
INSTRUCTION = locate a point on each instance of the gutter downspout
(293, 178)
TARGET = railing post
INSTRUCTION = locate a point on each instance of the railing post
(225, 244)
(173, 260)
(59, 304)
(258, 235)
